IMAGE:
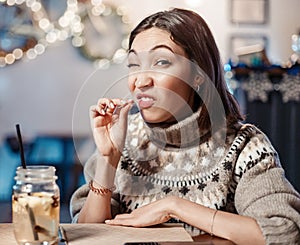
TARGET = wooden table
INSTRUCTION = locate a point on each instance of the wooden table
(94, 234)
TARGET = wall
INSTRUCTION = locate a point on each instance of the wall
(40, 94)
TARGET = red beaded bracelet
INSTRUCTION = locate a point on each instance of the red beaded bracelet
(100, 191)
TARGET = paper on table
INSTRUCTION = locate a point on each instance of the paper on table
(92, 234)
(7, 234)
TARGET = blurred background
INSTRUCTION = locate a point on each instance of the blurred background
(49, 48)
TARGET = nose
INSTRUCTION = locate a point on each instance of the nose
(144, 79)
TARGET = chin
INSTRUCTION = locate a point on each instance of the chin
(155, 117)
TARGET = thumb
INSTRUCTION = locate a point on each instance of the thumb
(117, 136)
(124, 113)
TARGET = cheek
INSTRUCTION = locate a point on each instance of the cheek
(181, 76)
(131, 83)
(177, 86)
(185, 90)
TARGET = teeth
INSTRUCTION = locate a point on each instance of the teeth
(146, 99)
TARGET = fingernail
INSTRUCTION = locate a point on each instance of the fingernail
(111, 105)
(123, 102)
(102, 112)
(107, 221)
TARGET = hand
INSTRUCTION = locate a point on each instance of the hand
(109, 124)
(152, 214)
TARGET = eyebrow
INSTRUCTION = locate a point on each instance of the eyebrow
(154, 48)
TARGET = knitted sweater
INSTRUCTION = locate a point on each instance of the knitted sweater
(241, 174)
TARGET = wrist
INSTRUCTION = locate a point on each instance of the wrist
(100, 190)
(112, 158)
(105, 172)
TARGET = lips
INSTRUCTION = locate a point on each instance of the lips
(145, 101)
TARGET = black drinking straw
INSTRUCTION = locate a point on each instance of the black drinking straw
(29, 210)
(22, 156)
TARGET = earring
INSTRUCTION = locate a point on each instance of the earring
(197, 82)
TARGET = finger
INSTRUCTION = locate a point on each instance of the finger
(98, 109)
(121, 111)
(122, 216)
(122, 107)
(120, 119)
(124, 112)
(112, 106)
(114, 222)
(123, 221)
(126, 107)
(97, 118)
(118, 104)
(94, 112)
(105, 106)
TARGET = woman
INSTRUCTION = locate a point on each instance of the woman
(185, 157)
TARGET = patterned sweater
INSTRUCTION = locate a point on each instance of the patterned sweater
(239, 174)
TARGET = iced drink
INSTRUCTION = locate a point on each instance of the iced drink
(35, 218)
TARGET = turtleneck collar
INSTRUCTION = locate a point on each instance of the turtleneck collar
(183, 133)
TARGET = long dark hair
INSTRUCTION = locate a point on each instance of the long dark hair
(191, 32)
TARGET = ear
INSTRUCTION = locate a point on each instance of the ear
(197, 82)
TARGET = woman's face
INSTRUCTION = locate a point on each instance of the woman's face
(160, 77)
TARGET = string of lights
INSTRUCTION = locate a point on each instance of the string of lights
(40, 31)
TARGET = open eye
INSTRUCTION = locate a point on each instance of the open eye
(162, 62)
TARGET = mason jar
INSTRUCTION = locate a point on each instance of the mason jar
(36, 205)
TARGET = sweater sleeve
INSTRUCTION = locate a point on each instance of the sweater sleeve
(264, 193)
(79, 196)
